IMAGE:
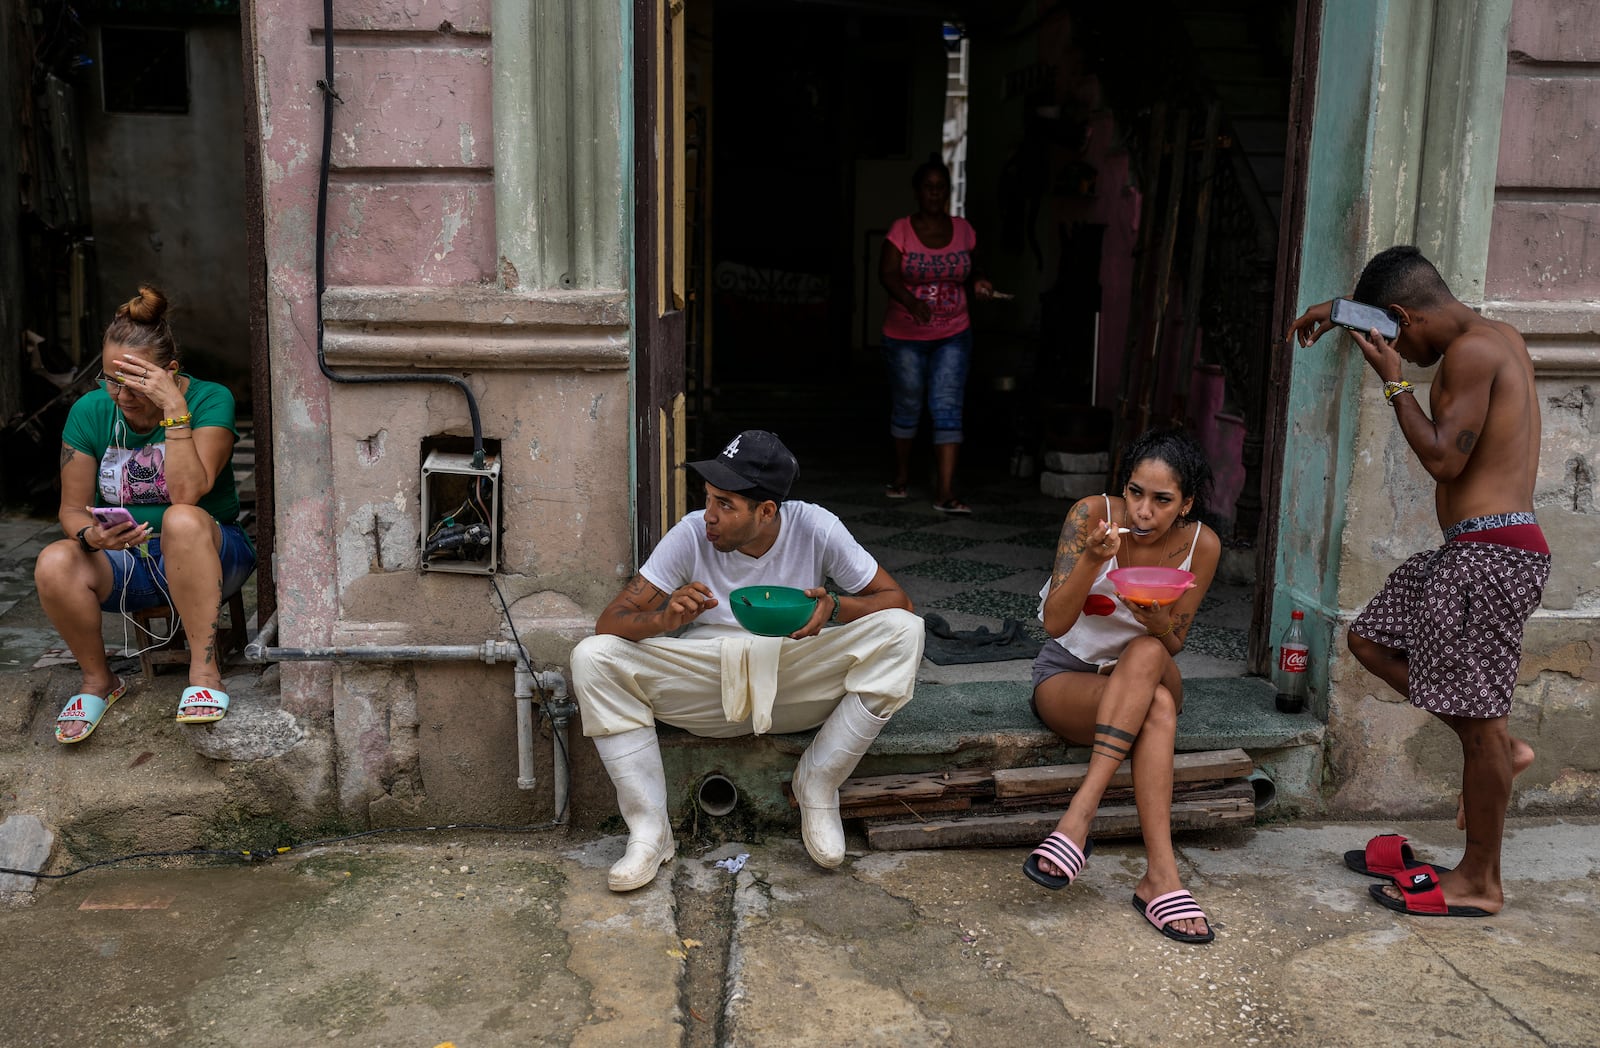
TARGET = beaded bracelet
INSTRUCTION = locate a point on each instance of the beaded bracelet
(1393, 389)
(183, 419)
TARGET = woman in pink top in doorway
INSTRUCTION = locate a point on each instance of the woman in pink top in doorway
(1108, 680)
(927, 267)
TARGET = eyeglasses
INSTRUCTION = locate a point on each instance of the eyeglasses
(113, 385)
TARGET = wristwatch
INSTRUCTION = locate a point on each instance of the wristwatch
(85, 542)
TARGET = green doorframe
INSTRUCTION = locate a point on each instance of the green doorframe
(1404, 144)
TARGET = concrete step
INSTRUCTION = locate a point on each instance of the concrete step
(988, 724)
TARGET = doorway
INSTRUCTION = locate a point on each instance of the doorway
(1126, 178)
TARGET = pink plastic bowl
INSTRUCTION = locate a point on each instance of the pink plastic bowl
(1152, 585)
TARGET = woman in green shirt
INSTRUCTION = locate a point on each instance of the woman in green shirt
(158, 443)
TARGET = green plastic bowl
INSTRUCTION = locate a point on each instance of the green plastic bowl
(771, 611)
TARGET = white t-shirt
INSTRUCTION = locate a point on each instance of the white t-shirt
(1105, 625)
(812, 545)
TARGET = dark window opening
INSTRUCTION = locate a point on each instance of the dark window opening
(144, 70)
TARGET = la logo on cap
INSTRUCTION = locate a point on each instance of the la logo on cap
(732, 450)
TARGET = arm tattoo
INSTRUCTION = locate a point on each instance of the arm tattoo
(67, 453)
(1465, 440)
(642, 597)
(1074, 540)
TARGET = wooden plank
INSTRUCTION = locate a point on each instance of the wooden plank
(1180, 790)
(1233, 805)
(903, 809)
(874, 790)
(1064, 778)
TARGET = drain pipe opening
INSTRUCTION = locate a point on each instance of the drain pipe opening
(717, 795)
(1263, 787)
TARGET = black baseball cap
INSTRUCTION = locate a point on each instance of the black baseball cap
(754, 464)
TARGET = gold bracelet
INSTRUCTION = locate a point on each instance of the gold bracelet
(177, 430)
(1172, 624)
(1393, 389)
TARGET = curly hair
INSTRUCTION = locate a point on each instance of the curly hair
(141, 323)
(1182, 454)
(1401, 275)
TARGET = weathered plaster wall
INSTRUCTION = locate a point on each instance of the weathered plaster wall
(416, 282)
(1385, 755)
(167, 195)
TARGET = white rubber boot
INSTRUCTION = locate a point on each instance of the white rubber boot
(832, 756)
(633, 760)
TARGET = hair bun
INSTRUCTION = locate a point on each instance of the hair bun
(149, 306)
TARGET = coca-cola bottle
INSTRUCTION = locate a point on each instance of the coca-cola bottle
(1293, 656)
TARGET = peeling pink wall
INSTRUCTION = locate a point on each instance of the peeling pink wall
(1545, 238)
(410, 202)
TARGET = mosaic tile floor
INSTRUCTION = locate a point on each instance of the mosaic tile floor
(983, 568)
(975, 570)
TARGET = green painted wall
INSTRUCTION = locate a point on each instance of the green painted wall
(1322, 408)
(1404, 142)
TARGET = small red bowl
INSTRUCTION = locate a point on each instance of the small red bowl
(1152, 585)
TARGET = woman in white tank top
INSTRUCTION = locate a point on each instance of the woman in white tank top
(1109, 681)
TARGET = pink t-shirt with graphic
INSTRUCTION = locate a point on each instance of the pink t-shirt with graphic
(938, 276)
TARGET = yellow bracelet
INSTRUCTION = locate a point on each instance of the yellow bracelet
(181, 420)
(1172, 624)
(1393, 389)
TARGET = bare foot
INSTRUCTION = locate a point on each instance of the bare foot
(1077, 834)
(1521, 760)
(1457, 892)
(1149, 888)
(71, 729)
(199, 711)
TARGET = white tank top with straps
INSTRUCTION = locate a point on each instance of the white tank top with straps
(1105, 625)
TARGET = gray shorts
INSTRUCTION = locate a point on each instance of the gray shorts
(1053, 659)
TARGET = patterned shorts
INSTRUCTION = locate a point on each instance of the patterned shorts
(1458, 612)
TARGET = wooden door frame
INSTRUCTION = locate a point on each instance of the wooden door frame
(1291, 241)
(659, 319)
(255, 237)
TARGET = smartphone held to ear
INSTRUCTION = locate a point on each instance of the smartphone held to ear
(110, 516)
(1358, 316)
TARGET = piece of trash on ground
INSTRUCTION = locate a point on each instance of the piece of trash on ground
(735, 864)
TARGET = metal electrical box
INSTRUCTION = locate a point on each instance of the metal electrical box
(460, 513)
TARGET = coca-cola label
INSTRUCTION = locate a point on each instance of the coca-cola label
(1293, 660)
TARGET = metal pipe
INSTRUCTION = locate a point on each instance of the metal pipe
(717, 795)
(1265, 789)
(523, 693)
(561, 708)
(525, 681)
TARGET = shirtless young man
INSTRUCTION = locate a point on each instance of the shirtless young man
(1446, 629)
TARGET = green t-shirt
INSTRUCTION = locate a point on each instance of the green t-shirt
(132, 466)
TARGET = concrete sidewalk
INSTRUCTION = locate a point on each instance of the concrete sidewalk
(487, 940)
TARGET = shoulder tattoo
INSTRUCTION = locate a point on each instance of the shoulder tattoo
(68, 453)
(1071, 544)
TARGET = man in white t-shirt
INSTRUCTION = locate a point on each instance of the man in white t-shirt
(713, 678)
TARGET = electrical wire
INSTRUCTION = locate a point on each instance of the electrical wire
(544, 709)
(329, 97)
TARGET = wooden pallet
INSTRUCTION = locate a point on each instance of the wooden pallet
(1230, 804)
(961, 788)
(1005, 806)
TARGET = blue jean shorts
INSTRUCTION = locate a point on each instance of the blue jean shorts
(937, 367)
(139, 581)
